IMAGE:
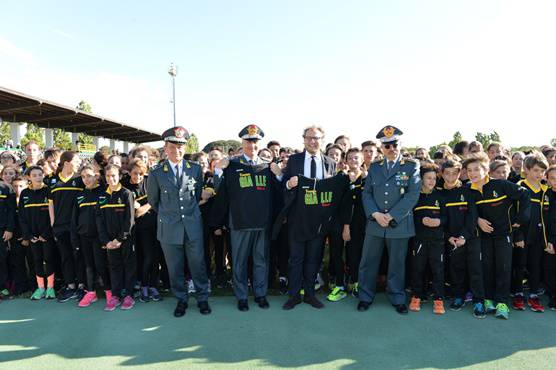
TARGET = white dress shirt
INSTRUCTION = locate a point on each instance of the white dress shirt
(307, 166)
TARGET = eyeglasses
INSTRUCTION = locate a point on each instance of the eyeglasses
(315, 138)
(393, 146)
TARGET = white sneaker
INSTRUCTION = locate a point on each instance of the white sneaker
(190, 287)
(319, 283)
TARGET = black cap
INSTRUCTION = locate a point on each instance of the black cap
(176, 135)
(389, 134)
(251, 132)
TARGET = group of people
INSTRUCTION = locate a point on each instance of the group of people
(471, 225)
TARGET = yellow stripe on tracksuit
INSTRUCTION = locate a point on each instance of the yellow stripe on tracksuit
(456, 204)
(492, 200)
(35, 205)
(87, 204)
(425, 207)
(112, 206)
(65, 188)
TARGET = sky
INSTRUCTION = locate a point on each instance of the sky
(428, 67)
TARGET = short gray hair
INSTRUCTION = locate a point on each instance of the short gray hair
(313, 127)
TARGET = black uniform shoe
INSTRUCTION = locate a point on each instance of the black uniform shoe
(292, 302)
(401, 308)
(363, 306)
(262, 302)
(242, 305)
(313, 301)
(180, 309)
(66, 294)
(204, 308)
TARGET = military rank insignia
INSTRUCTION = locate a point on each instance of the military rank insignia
(260, 182)
(326, 198)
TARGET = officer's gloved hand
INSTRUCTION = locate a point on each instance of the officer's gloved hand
(392, 223)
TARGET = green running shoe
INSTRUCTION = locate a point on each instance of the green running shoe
(502, 311)
(38, 294)
(489, 306)
(50, 293)
(337, 294)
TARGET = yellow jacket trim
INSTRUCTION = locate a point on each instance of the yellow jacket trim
(87, 204)
(456, 204)
(425, 207)
(492, 200)
(65, 188)
(35, 205)
(112, 206)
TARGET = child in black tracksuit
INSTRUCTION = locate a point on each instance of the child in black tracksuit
(428, 244)
(353, 218)
(549, 218)
(528, 254)
(7, 226)
(462, 240)
(84, 234)
(114, 219)
(36, 232)
(494, 200)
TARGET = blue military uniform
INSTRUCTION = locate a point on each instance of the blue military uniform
(393, 191)
(175, 198)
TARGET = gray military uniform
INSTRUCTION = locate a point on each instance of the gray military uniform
(180, 226)
(394, 191)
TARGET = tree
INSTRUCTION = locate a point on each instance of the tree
(456, 139)
(486, 139)
(34, 133)
(5, 132)
(62, 140)
(192, 145)
(224, 144)
(82, 137)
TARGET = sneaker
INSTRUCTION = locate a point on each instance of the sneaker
(337, 294)
(38, 294)
(456, 304)
(5, 293)
(112, 303)
(479, 310)
(80, 293)
(319, 283)
(552, 304)
(518, 303)
(415, 304)
(144, 297)
(154, 295)
(535, 304)
(283, 285)
(66, 294)
(50, 293)
(190, 287)
(502, 311)
(468, 297)
(87, 299)
(302, 292)
(128, 303)
(355, 290)
(541, 291)
(489, 306)
(438, 307)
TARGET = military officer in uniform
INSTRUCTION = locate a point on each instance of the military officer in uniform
(174, 191)
(251, 241)
(391, 191)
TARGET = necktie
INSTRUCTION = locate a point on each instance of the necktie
(390, 165)
(313, 167)
(178, 174)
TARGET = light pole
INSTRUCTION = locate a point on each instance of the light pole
(173, 71)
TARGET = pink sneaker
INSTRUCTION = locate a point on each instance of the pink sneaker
(87, 299)
(112, 303)
(128, 303)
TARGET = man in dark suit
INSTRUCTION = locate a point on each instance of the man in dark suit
(306, 256)
(174, 191)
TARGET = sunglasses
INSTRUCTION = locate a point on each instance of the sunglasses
(393, 146)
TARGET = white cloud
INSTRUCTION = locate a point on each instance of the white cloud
(10, 51)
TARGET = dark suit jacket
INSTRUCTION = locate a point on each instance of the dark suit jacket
(296, 166)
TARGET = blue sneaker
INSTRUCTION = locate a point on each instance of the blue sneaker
(456, 304)
(479, 310)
